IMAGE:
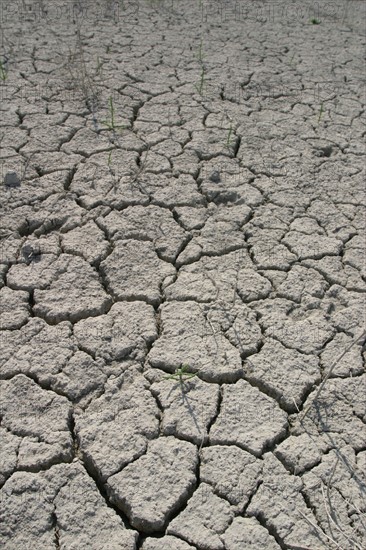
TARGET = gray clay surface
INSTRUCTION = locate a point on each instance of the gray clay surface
(182, 275)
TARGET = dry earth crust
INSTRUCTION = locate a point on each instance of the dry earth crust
(182, 275)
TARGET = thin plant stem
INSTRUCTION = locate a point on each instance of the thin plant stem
(306, 410)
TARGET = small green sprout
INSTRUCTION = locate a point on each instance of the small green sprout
(314, 21)
(321, 111)
(199, 86)
(3, 72)
(200, 54)
(291, 60)
(181, 374)
(111, 123)
(229, 140)
(99, 68)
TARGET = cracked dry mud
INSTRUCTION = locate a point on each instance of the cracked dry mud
(182, 267)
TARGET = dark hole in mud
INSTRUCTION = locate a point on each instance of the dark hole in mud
(324, 151)
(31, 254)
(215, 177)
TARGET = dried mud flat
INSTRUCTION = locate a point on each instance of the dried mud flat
(182, 276)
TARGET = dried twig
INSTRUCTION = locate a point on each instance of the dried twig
(306, 410)
(320, 530)
(331, 520)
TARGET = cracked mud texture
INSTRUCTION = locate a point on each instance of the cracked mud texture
(182, 275)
